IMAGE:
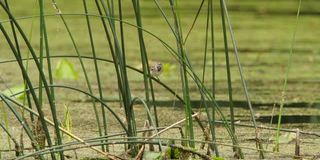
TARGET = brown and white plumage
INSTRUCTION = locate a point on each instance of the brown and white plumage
(156, 68)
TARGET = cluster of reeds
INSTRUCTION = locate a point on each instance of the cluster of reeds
(37, 124)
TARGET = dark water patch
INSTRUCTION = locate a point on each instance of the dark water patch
(285, 119)
(270, 11)
(262, 50)
(237, 103)
(240, 104)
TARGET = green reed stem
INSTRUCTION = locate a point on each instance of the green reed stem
(47, 50)
(14, 34)
(183, 74)
(81, 63)
(212, 126)
(121, 38)
(115, 60)
(120, 66)
(284, 89)
(104, 118)
(244, 85)
(194, 21)
(144, 59)
(226, 50)
(51, 98)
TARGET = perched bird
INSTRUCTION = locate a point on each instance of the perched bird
(156, 68)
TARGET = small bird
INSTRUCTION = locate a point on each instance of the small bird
(156, 69)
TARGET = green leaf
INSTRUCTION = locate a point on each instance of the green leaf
(65, 70)
(167, 68)
(16, 89)
(217, 158)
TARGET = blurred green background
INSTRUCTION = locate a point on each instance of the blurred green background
(263, 30)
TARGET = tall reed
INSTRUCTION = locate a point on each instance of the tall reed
(104, 117)
(244, 85)
(284, 89)
(183, 72)
(144, 60)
